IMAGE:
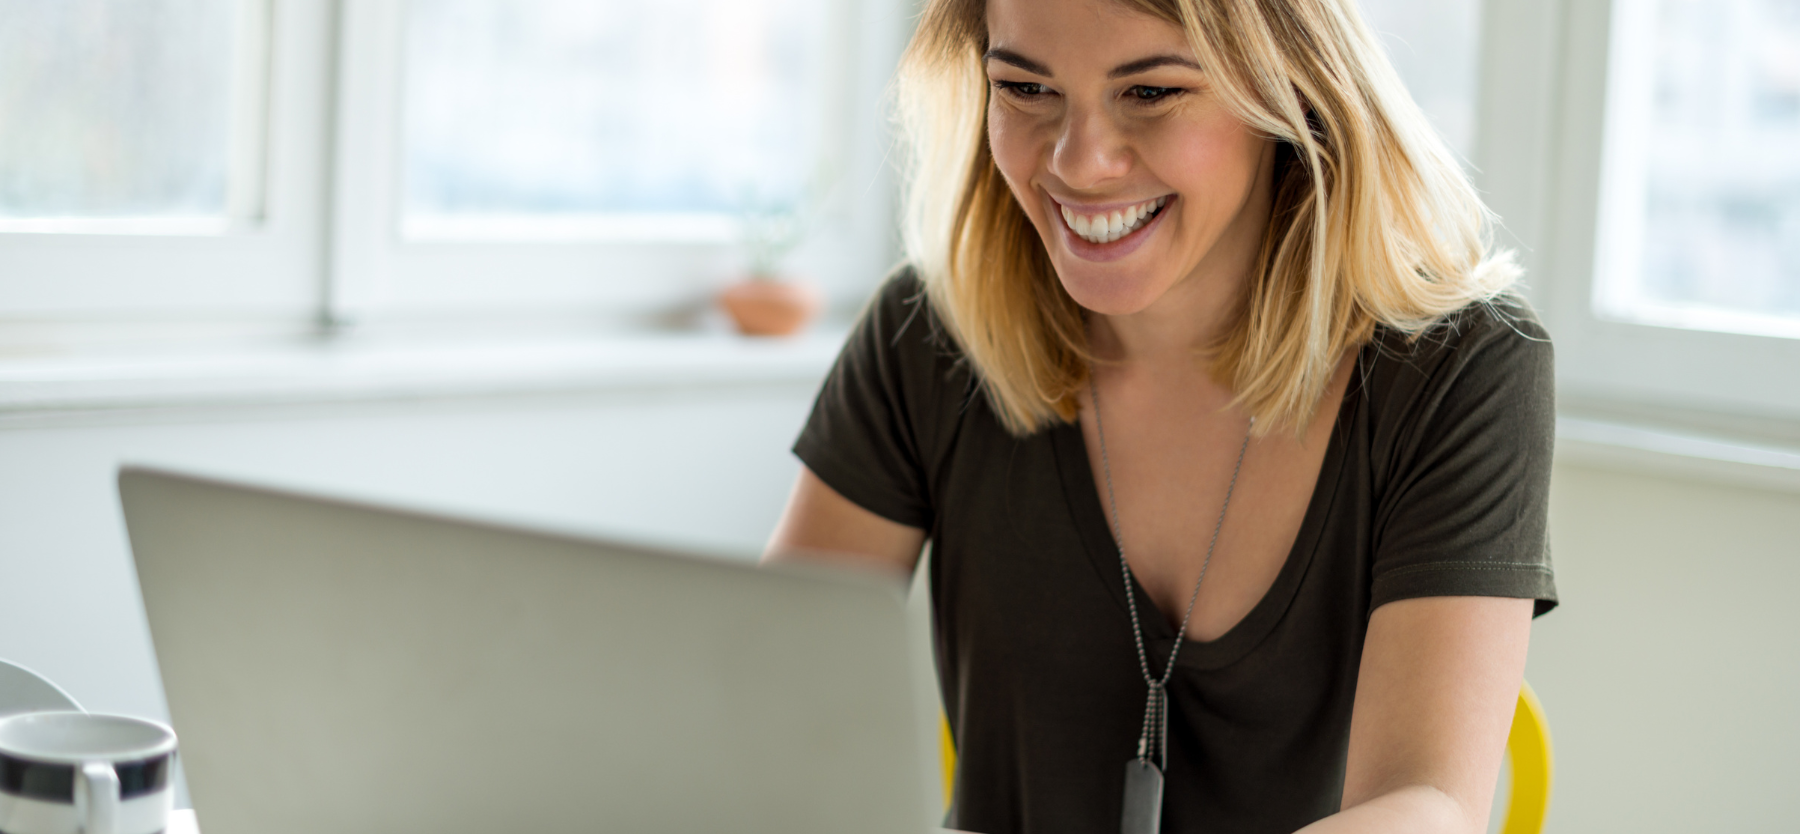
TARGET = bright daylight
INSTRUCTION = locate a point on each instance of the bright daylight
(899, 416)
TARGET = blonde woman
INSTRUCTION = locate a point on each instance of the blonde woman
(1231, 442)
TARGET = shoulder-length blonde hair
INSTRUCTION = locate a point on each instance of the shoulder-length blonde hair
(1373, 223)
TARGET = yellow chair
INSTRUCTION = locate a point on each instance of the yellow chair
(947, 757)
(1528, 744)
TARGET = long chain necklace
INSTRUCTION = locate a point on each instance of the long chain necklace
(1143, 777)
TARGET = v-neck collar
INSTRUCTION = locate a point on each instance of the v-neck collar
(1247, 633)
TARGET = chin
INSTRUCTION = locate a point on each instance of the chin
(1119, 277)
(1110, 290)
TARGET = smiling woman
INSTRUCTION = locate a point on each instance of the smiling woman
(1373, 218)
(1231, 441)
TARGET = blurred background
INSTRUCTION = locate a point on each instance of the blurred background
(463, 255)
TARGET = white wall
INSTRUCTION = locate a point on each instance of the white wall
(1671, 673)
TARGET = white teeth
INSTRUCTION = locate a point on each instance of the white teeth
(1106, 228)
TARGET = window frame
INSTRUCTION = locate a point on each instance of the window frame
(1547, 104)
(379, 275)
(323, 252)
(325, 249)
(260, 268)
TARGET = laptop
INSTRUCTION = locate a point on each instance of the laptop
(335, 666)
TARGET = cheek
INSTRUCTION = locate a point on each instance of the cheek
(1212, 163)
(1010, 143)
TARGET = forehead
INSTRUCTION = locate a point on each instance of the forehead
(1080, 36)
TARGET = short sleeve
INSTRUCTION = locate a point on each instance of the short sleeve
(1466, 499)
(872, 426)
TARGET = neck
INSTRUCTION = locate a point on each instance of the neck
(1178, 329)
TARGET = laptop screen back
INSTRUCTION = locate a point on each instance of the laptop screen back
(344, 668)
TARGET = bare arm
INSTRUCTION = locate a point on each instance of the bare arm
(820, 524)
(1434, 701)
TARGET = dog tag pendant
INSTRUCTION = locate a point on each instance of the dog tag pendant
(1143, 798)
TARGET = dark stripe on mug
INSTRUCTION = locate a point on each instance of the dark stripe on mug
(37, 780)
(56, 782)
(139, 778)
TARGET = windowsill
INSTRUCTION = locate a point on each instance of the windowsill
(1681, 453)
(111, 386)
(116, 385)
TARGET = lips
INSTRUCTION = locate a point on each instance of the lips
(1107, 227)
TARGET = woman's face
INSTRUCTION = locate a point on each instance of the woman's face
(1137, 177)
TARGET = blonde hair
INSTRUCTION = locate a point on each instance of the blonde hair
(1373, 222)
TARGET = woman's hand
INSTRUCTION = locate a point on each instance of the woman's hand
(1439, 680)
(821, 525)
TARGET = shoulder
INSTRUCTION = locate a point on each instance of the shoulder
(884, 415)
(1461, 432)
(900, 331)
(1482, 342)
(901, 309)
(1482, 375)
(901, 357)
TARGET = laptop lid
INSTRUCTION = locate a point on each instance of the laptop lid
(332, 666)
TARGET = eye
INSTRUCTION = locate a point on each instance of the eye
(1150, 95)
(1022, 89)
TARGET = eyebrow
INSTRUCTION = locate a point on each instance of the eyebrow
(1150, 63)
(1007, 56)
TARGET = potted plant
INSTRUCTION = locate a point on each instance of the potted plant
(766, 303)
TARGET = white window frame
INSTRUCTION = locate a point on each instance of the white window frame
(260, 268)
(1549, 96)
(325, 251)
(379, 274)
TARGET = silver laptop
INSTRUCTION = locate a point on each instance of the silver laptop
(336, 667)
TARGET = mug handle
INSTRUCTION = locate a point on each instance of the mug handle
(98, 783)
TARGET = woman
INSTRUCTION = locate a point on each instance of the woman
(1202, 336)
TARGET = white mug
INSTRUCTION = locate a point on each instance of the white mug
(81, 773)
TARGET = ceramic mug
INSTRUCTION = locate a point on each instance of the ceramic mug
(81, 773)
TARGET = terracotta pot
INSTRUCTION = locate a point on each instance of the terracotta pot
(770, 308)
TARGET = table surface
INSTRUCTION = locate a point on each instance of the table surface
(182, 822)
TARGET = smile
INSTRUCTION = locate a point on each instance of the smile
(1106, 228)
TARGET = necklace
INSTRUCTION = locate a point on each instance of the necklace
(1143, 777)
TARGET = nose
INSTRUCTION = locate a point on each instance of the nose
(1090, 151)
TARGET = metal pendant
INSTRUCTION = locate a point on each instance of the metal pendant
(1143, 798)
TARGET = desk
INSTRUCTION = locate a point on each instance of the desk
(182, 822)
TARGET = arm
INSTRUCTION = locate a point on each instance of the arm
(1434, 701)
(821, 525)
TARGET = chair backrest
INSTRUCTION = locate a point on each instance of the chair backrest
(1528, 744)
(22, 690)
(1532, 767)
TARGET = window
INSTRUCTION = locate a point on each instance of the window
(136, 122)
(591, 158)
(284, 161)
(511, 126)
(1702, 194)
(1643, 156)
(161, 158)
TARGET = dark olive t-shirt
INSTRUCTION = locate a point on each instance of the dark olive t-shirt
(1435, 483)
